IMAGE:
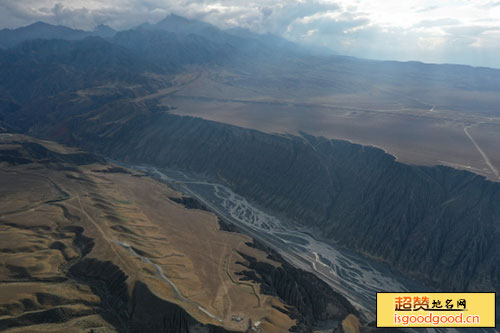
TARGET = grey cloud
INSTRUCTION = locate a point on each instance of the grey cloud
(329, 26)
(283, 16)
(266, 11)
(459, 44)
(14, 14)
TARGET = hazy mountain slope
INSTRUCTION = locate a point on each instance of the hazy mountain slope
(273, 67)
(183, 26)
(199, 42)
(42, 68)
(172, 51)
(41, 30)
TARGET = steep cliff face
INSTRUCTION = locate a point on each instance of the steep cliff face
(152, 314)
(143, 311)
(435, 223)
(310, 299)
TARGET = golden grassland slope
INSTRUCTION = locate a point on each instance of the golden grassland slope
(52, 215)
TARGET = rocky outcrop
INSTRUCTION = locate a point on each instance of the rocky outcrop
(309, 299)
(53, 315)
(143, 311)
(189, 203)
(108, 282)
(350, 325)
(33, 152)
(151, 314)
(42, 154)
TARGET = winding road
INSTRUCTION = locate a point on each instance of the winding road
(483, 154)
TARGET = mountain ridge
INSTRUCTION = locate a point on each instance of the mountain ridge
(42, 30)
(358, 196)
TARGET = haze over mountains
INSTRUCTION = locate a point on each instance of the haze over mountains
(268, 116)
(41, 30)
(417, 112)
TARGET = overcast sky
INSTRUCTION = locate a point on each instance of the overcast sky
(451, 31)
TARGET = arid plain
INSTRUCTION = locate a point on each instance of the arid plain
(416, 125)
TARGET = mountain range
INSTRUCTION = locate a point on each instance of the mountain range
(129, 96)
(41, 30)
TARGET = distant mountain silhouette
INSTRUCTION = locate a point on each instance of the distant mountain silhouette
(104, 31)
(242, 39)
(41, 30)
(42, 68)
(178, 24)
(171, 50)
